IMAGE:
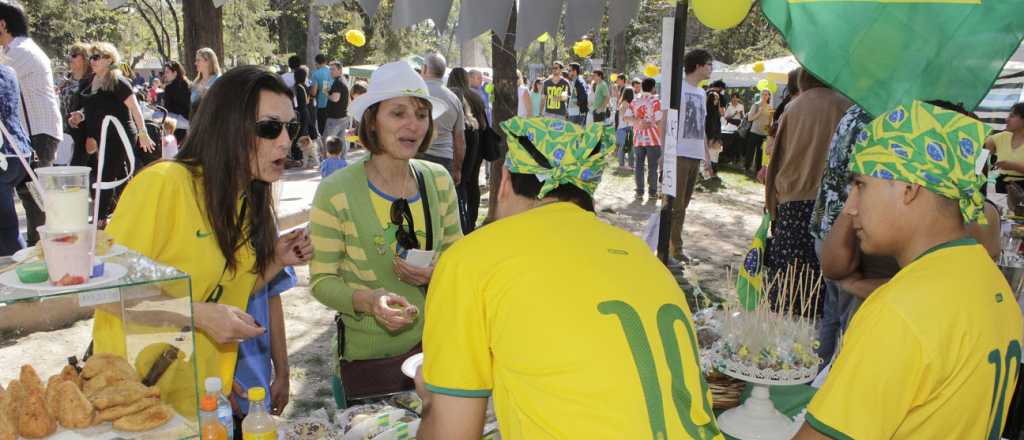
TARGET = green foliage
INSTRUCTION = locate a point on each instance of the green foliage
(246, 36)
(57, 24)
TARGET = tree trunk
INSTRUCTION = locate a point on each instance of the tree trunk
(204, 27)
(503, 60)
(313, 34)
(619, 53)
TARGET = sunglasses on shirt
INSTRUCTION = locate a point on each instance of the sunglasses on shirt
(272, 129)
(401, 215)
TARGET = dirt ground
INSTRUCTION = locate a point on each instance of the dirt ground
(719, 227)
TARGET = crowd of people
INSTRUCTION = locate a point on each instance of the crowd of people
(523, 309)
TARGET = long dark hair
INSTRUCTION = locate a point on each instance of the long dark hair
(458, 82)
(221, 143)
(179, 72)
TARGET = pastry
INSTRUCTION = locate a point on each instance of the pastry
(69, 373)
(74, 410)
(10, 401)
(7, 429)
(123, 393)
(31, 380)
(104, 380)
(52, 397)
(116, 412)
(33, 420)
(101, 362)
(150, 418)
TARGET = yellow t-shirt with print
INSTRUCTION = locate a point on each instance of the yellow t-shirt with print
(159, 216)
(574, 326)
(382, 206)
(932, 354)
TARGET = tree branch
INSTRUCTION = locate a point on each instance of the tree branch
(152, 29)
(177, 26)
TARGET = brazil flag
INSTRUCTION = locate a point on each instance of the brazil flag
(882, 52)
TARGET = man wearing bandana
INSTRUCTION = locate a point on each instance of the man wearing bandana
(572, 325)
(935, 352)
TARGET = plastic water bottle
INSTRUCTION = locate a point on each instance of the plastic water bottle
(210, 424)
(224, 413)
(258, 424)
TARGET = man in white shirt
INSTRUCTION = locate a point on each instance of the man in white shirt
(449, 146)
(40, 111)
(691, 143)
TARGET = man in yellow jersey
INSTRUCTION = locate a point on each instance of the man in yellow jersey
(935, 352)
(573, 325)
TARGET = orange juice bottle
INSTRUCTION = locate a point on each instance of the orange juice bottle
(209, 424)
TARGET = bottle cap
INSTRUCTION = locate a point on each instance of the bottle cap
(208, 403)
(257, 393)
(212, 384)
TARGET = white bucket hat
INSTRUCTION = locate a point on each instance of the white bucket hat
(393, 80)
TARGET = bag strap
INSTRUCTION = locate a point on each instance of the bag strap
(425, 199)
(24, 108)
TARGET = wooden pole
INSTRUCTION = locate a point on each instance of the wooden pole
(676, 78)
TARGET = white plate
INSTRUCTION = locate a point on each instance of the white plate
(26, 253)
(411, 364)
(111, 272)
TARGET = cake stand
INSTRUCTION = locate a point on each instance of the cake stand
(757, 418)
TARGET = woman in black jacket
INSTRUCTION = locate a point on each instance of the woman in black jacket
(177, 97)
(469, 187)
(301, 109)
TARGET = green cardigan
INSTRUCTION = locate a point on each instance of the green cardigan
(343, 225)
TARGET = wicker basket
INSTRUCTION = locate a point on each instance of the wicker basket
(725, 391)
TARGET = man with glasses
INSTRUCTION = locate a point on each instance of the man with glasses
(555, 94)
(40, 107)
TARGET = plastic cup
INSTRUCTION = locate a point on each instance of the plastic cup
(66, 196)
(68, 254)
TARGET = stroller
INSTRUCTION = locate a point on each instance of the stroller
(154, 116)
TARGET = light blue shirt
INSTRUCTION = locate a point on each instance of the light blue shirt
(322, 79)
(254, 368)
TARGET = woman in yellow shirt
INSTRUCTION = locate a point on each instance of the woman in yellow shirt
(1007, 146)
(209, 214)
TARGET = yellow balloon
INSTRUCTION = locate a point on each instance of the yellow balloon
(614, 77)
(355, 37)
(702, 84)
(721, 14)
(651, 70)
(583, 48)
(759, 67)
(543, 38)
(769, 85)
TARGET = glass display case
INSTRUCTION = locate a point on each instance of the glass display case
(146, 324)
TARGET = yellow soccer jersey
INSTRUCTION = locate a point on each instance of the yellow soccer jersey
(932, 354)
(573, 325)
(159, 216)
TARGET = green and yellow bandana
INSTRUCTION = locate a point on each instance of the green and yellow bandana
(925, 145)
(558, 152)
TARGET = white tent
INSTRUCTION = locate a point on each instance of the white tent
(781, 65)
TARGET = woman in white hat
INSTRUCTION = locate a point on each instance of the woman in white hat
(377, 227)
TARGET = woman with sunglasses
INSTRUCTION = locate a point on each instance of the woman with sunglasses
(79, 72)
(209, 213)
(369, 224)
(110, 94)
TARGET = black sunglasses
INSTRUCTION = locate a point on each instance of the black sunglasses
(401, 215)
(272, 129)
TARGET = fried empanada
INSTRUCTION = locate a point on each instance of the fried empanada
(11, 399)
(101, 362)
(52, 397)
(31, 380)
(150, 418)
(122, 394)
(104, 380)
(7, 429)
(69, 373)
(33, 420)
(74, 409)
(116, 412)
